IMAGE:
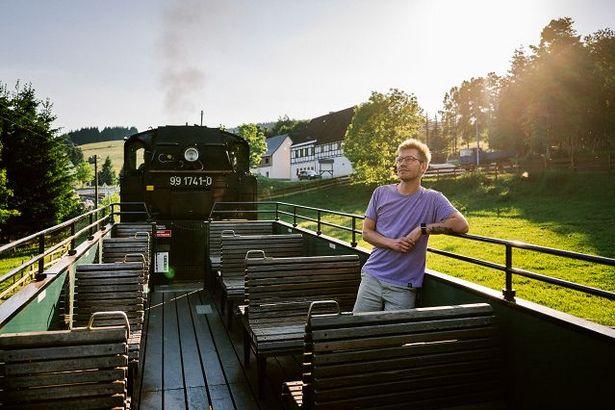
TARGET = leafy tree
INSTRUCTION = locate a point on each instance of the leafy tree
(601, 46)
(557, 96)
(84, 172)
(37, 167)
(377, 128)
(107, 175)
(256, 139)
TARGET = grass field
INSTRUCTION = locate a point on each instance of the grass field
(113, 149)
(571, 211)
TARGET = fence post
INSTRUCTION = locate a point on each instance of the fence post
(354, 235)
(294, 216)
(90, 228)
(277, 210)
(72, 249)
(509, 292)
(40, 275)
(318, 231)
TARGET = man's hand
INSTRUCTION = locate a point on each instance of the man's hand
(403, 244)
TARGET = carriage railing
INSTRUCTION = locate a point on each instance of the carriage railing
(279, 210)
(50, 243)
(37, 251)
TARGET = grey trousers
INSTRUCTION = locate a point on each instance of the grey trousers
(375, 295)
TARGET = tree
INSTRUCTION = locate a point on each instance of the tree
(377, 128)
(256, 140)
(601, 46)
(107, 175)
(286, 125)
(37, 167)
(84, 172)
(5, 192)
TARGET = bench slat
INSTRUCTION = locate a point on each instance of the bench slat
(30, 380)
(48, 353)
(61, 338)
(116, 401)
(22, 368)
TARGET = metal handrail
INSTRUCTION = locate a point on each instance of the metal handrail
(95, 221)
(508, 292)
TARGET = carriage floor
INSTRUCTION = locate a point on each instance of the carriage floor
(190, 360)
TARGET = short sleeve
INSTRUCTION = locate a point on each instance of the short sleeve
(372, 207)
(442, 208)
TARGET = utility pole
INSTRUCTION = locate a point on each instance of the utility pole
(477, 144)
(201, 118)
(95, 182)
(426, 128)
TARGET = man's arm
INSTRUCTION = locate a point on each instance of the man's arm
(370, 234)
(455, 223)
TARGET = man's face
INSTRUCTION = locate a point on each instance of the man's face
(409, 165)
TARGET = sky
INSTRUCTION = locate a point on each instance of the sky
(147, 63)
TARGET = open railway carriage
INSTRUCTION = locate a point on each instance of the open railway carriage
(504, 351)
(179, 172)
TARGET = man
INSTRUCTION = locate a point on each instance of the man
(398, 221)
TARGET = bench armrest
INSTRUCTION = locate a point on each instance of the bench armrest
(322, 302)
(109, 314)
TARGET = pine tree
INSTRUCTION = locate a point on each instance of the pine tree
(107, 175)
(36, 164)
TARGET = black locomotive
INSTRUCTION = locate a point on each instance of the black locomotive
(179, 172)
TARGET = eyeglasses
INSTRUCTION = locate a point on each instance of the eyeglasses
(409, 158)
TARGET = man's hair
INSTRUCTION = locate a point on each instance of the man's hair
(423, 149)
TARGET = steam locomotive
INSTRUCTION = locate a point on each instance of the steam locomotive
(179, 172)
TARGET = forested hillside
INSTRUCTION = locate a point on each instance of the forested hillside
(93, 134)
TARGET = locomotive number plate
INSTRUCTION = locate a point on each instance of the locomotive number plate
(190, 181)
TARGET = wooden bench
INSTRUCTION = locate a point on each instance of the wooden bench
(113, 287)
(437, 357)
(238, 228)
(232, 261)
(129, 230)
(83, 368)
(279, 292)
(133, 249)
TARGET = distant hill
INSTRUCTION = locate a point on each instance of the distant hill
(112, 149)
(92, 135)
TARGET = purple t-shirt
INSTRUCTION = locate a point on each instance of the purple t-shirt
(396, 215)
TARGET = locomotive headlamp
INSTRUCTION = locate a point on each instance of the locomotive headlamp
(191, 154)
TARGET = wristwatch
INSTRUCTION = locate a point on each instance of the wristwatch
(423, 229)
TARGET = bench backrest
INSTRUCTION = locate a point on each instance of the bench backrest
(77, 369)
(128, 250)
(281, 289)
(239, 228)
(107, 287)
(235, 247)
(440, 357)
(129, 230)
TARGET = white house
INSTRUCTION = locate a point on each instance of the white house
(318, 147)
(276, 161)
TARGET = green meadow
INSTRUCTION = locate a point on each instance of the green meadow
(564, 210)
(113, 149)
